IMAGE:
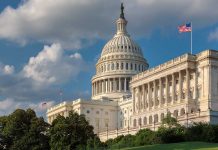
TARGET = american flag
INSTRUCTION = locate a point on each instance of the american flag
(185, 28)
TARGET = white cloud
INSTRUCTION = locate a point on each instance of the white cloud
(6, 69)
(214, 35)
(52, 66)
(75, 23)
(42, 77)
(8, 105)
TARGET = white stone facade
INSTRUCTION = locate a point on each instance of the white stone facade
(127, 97)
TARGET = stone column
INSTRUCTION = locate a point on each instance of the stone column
(149, 100)
(161, 90)
(110, 85)
(154, 84)
(125, 84)
(167, 91)
(96, 87)
(173, 88)
(187, 84)
(143, 96)
(180, 85)
(196, 85)
(115, 85)
(133, 99)
(102, 84)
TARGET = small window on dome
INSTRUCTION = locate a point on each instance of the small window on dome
(129, 47)
(131, 66)
(139, 68)
(108, 67)
(121, 47)
(127, 66)
(135, 67)
(112, 66)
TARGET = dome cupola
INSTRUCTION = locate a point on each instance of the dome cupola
(121, 58)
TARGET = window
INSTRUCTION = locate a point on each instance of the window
(87, 111)
(126, 66)
(131, 66)
(106, 122)
(108, 67)
(117, 66)
(121, 66)
(135, 67)
(112, 66)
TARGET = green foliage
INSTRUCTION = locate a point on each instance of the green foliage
(145, 137)
(23, 130)
(125, 141)
(169, 121)
(171, 135)
(202, 132)
(72, 132)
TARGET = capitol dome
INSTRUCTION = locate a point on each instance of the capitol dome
(121, 58)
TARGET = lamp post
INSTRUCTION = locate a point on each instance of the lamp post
(107, 130)
(199, 111)
(187, 119)
(128, 119)
(117, 117)
(154, 125)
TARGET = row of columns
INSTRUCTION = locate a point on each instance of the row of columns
(157, 93)
(121, 66)
(110, 85)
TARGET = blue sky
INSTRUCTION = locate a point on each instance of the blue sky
(52, 46)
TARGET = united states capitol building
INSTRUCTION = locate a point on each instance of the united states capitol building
(128, 96)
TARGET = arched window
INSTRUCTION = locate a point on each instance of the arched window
(150, 119)
(117, 66)
(131, 66)
(175, 113)
(139, 67)
(140, 121)
(155, 118)
(135, 67)
(162, 116)
(121, 67)
(182, 112)
(134, 123)
(145, 120)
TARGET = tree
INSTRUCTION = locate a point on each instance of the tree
(145, 137)
(72, 132)
(170, 121)
(23, 130)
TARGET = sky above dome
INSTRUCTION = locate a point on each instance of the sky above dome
(51, 47)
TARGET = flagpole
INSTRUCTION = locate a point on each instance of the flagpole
(191, 37)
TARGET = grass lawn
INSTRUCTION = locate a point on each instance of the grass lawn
(178, 146)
